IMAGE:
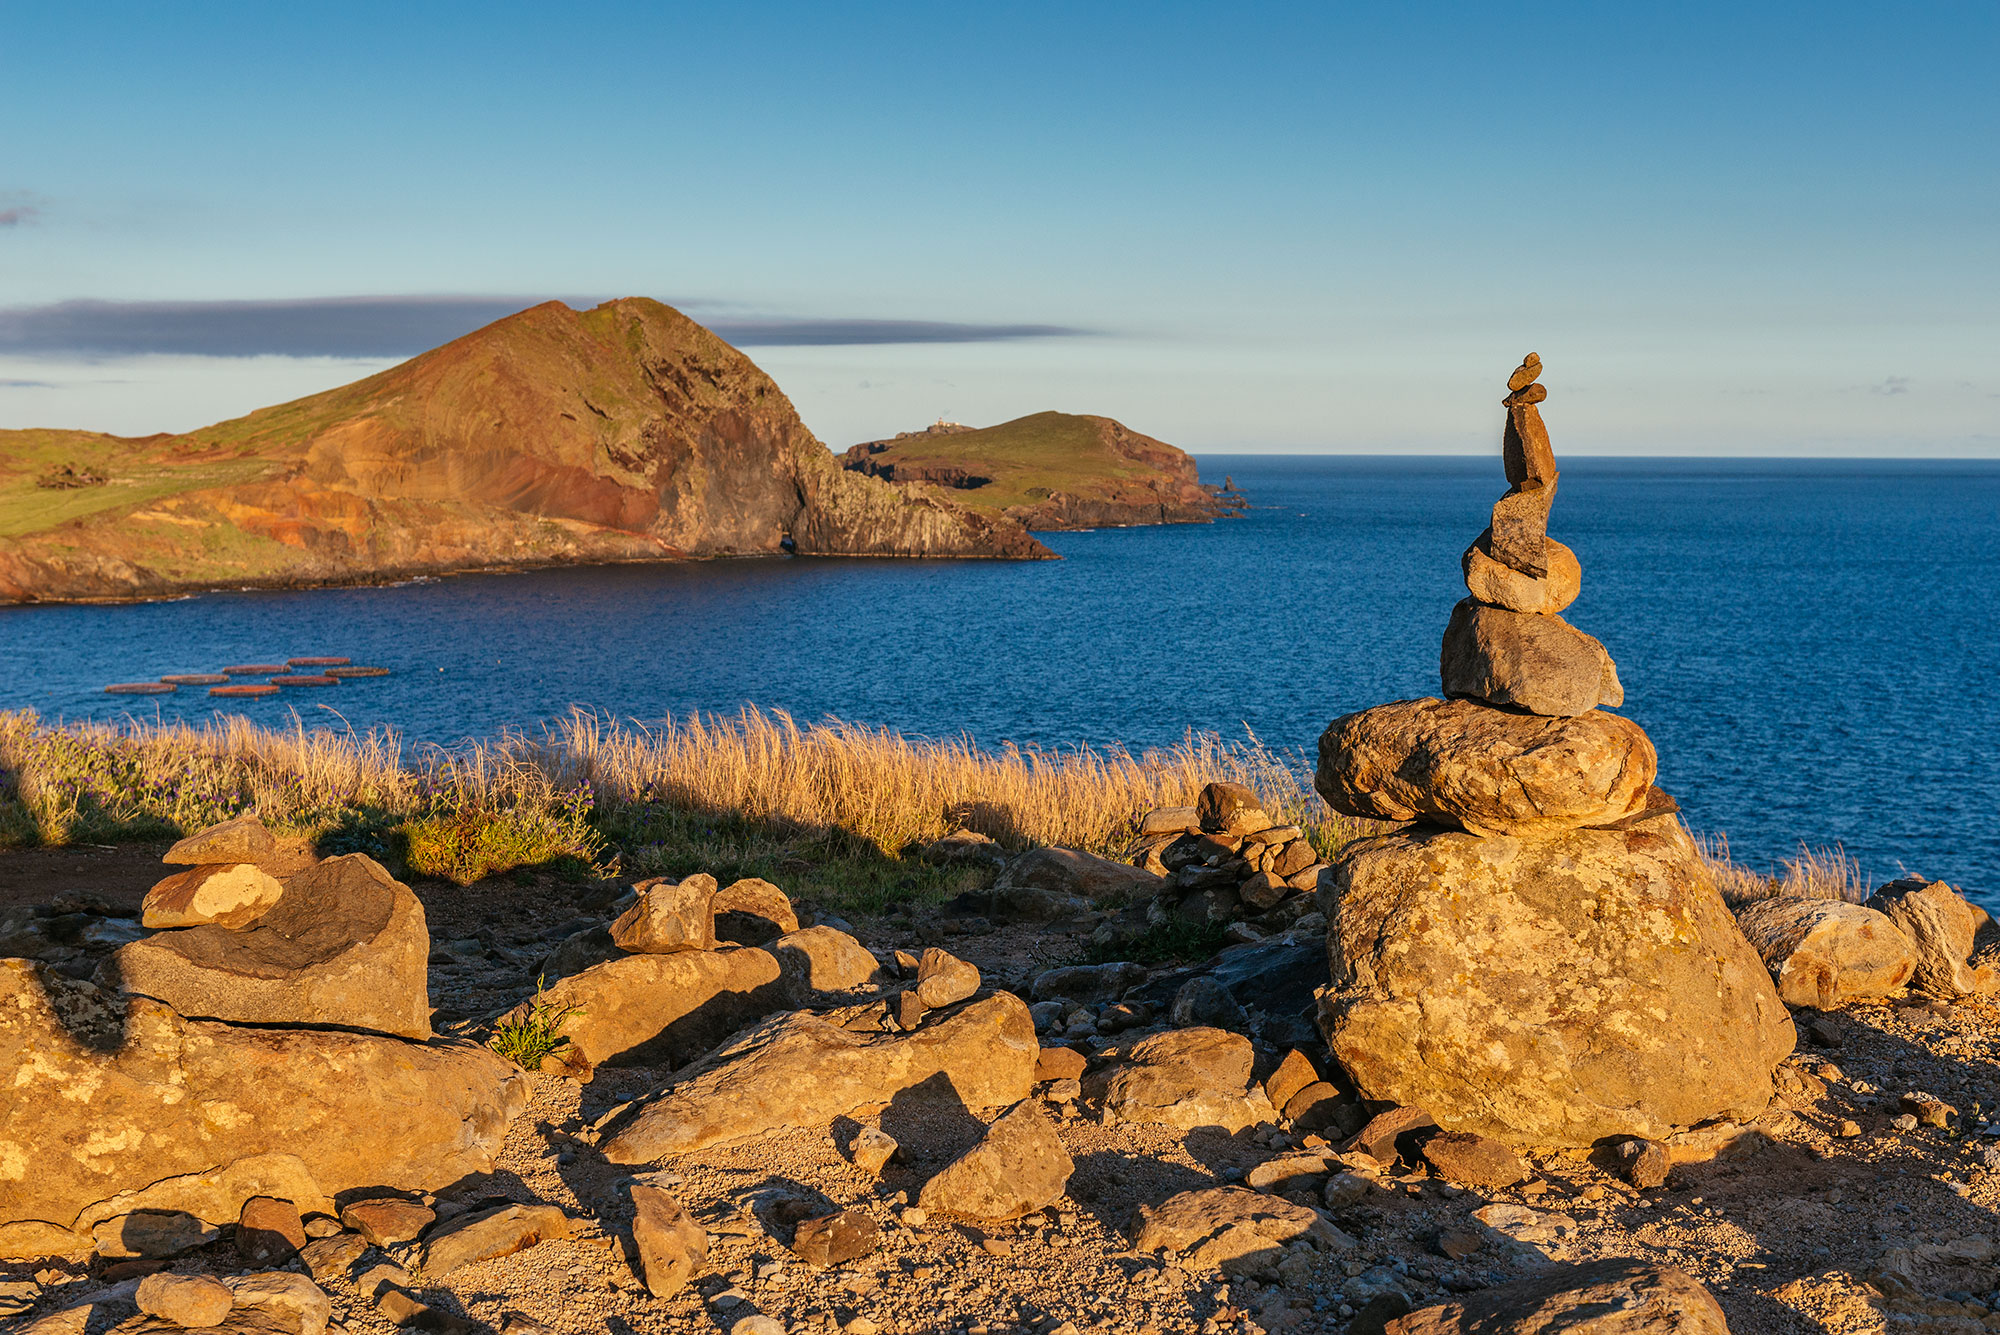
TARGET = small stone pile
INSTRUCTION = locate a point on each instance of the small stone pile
(1225, 860)
(1543, 956)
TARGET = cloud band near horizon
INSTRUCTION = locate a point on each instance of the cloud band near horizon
(371, 327)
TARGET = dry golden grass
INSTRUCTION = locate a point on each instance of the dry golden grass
(467, 811)
(1815, 873)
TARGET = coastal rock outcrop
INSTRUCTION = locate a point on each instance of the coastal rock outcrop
(622, 433)
(1544, 958)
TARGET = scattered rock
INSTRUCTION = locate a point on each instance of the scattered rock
(1644, 1163)
(186, 1300)
(1525, 989)
(872, 1149)
(1393, 1134)
(231, 895)
(1320, 1107)
(1462, 764)
(823, 959)
(1616, 1297)
(1294, 1073)
(670, 916)
(837, 1238)
(1046, 884)
(1230, 1229)
(672, 1247)
(1088, 982)
(486, 1234)
(1019, 1166)
(387, 1220)
(345, 945)
(1940, 925)
(752, 912)
(1823, 952)
(1473, 1160)
(801, 1070)
(943, 979)
(332, 1257)
(269, 1231)
(665, 1009)
(1184, 1077)
(1293, 1172)
(1538, 663)
(1058, 1064)
(1204, 1001)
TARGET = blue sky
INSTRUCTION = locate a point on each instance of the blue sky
(1764, 229)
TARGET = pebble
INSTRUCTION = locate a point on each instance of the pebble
(1850, 1128)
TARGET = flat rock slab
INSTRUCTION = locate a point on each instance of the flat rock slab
(196, 1116)
(1825, 952)
(1231, 1229)
(1188, 1078)
(231, 894)
(1617, 1297)
(1464, 764)
(345, 946)
(1551, 991)
(1539, 663)
(488, 1234)
(802, 1071)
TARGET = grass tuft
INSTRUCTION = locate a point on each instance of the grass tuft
(537, 1035)
(1815, 873)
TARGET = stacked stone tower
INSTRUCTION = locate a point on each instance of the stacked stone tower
(1541, 956)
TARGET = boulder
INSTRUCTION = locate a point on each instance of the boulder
(835, 1239)
(486, 1235)
(1547, 992)
(1202, 1000)
(1461, 764)
(229, 894)
(1063, 876)
(1940, 925)
(1018, 1167)
(1826, 952)
(943, 979)
(199, 1117)
(1616, 1297)
(184, 1300)
(823, 959)
(670, 916)
(803, 1071)
(1088, 982)
(387, 1220)
(152, 1234)
(751, 912)
(1500, 585)
(1538, 663)
(1059, 1064)
(243, 839)
(270, 1302)
(1294, 1073)
(1231, 810)
(672, 1247)
(663, 1010)
(1231, 1229)
(1169, 821)
(345, 946)
(1393, 1134)
(1186, 1078)
(872, 1149)
(963, 848)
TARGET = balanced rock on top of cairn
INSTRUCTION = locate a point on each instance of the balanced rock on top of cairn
(1543, 957)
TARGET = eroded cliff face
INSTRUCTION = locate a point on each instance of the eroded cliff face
(627, 432)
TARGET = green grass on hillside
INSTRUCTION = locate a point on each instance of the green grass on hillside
(1055, 450)
(137, 477)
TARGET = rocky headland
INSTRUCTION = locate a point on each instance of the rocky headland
(1509, 1064)
(555, 436)
(1050, 471)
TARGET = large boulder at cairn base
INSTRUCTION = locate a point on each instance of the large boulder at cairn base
(1538, 663)
(1548, 992)
(1463, 764)
(801, 1071)
(1823, 952)
(1616, 1297)
(345, 946)
(116, 1104)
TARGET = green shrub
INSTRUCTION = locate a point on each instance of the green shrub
(461, 840)
(536, 1036)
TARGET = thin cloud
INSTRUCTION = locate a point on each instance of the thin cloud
(1895, 384)
(29, 384)
(377, 327)
(19, 214)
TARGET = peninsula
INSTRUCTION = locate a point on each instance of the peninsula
(1051, 471)
(623, 433)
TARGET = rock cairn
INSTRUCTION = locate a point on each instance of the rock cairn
(1225, 860)
(1542, 957)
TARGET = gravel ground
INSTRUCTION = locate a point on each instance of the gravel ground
(1832, 1217)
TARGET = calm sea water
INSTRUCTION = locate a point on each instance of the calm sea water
(1811, 644)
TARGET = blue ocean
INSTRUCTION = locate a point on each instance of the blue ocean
(1810, 643)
